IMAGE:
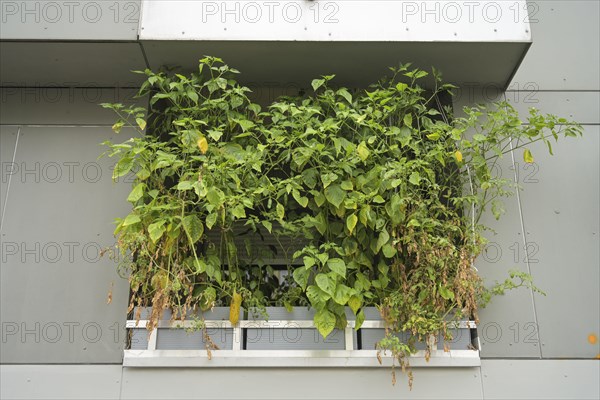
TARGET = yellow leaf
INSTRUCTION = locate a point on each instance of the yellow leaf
(458, 156)
(141, 123)
(363, 151)
(203, 144)
(234, 308)
(527, 156)
(117, 126)
(351, 222)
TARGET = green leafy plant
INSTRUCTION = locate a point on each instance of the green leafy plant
(385, 186)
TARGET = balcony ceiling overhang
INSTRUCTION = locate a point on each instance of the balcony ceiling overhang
(355, 40)
(355, 64)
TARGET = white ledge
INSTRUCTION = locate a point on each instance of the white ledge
(292, 358)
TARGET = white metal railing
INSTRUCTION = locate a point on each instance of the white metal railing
(239, 357)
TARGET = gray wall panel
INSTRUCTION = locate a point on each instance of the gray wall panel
(566, 46)
(562, 223)
(501, 320)
(8, 139)
(54, 284)
(67, 106)
(583, 107)
(541, 379)
(55, 20)
(60, 381)
(496, 379)
(505, 315)
(304, 383)
(70, 64)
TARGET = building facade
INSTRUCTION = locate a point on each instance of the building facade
(59, 60)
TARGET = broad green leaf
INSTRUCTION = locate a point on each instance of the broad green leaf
(136, 193)
(324, 322)
(325, 283)
(255, 108)
(215, 196)
(335, 195)
(323, 257)
(401, 87)
(383, 238)
(363, 215)
(214, 135)
(193, 227)
(185, 185)
(193, 96)
(321, 223)
(395, 209)
(143, 174)
(362, 283)
(319, 199)
(338, 266)
(131, 219)
(239, 211)
(190, 137)
(446, 293)
(345, 94)
(209, 296)
(200, 266)
(360, 318)
(317, 83)
(280, 211)
(156, 230)
(316, 296)
(478, 137)
(415, 178)
(309, 262)
(246, 124)
(122, 167)
(342, 294)
(268, 226)
(211, 220)
(301, 276)
(351, 222)
(408, 120)
(347, 185)
(355, 303)
(327, 179)
(378, 199)
(302, 200)
(388, 250)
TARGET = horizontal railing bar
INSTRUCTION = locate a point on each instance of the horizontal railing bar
(281, 324)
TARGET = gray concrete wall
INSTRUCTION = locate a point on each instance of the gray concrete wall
(70, 20)
(496, 379)
(57, 203)
(61, 340)
(552, 228)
